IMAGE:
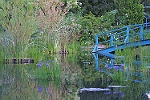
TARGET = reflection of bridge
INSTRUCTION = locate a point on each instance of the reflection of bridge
(127, 36)
(107, 66)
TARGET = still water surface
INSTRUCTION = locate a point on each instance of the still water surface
(75, 77)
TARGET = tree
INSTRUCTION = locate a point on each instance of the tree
(92, 25)
(55, 22)
(97, 7)
(129, 12)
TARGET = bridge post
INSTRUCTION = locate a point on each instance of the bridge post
(141, 32)
(127, 35)
(146, 23)
(112, 40)
(96, 44)
(96, 60)
(112, 63)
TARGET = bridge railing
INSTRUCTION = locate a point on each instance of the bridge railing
(122, 35)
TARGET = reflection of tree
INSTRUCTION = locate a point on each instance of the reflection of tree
(17, 86)
(23, 87)
(93, 78)
(70, 75)
(90, 76)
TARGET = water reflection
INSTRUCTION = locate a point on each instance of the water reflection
(134, 74)
(111, 66)
(52, 78)
(61, 77)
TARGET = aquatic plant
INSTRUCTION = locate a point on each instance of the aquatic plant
(117, 67)
(40, 89)
(48, 70)
(41, 63)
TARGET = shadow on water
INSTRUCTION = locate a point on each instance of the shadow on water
(75, 77)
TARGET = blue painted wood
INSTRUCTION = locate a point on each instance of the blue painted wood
(141, 32)
(106, 52)
(112, 40)
(97, 64)
(127, 35)
(121, 38)
(112, 64)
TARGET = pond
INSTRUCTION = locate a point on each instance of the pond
(84, 76)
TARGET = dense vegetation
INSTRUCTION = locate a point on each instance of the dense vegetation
(36, 28)
(51, 26)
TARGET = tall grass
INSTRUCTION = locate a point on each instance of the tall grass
(28, 26)
(19, 22)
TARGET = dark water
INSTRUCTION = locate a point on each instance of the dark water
(75, 77)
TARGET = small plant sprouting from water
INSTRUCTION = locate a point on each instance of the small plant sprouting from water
(47, 70)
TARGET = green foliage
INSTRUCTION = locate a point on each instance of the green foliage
(2, 55)
(37, 45)
(129, 12)
(146, 34)
(97, 7)
(74, 48)
(67, 32)
(50, 72)
(36, 52)
(92, 76)
(119, 77)
(92, 25)
(17, 18)
(108, 20)
(73, 3)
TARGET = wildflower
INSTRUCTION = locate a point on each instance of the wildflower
(116, 92)
(48, 61)
(41, 62)
(48, 90)
(47, 64)
(116, 67)
(107, 93)
(122, 65)
(38, 65)
(108, 66)
(122, 94)
(40, 89)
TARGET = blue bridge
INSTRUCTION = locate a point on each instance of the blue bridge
(121, 38)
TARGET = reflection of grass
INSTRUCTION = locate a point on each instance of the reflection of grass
(93, 77)
(147, 34)
(2, 56)
(135, 60)
(46, 70)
